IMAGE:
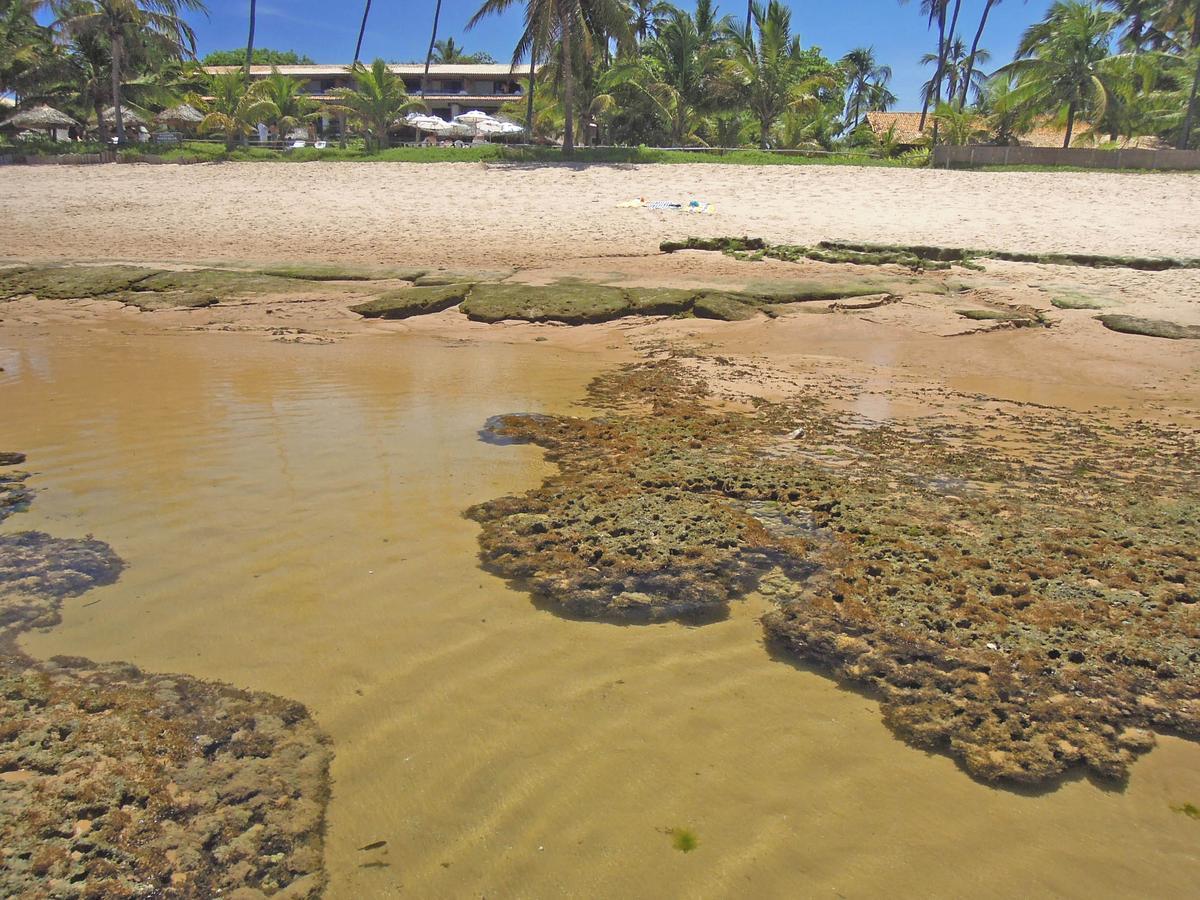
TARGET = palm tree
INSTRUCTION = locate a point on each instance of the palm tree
(154, 21)
(867, 81)
(292, 106)
(677, 72)
(448, 51)
(437, 14)
(971, 57)
(958, 70)
(1182, 17)
(1059, 62)
(362, 30)
(250, 39)
(767, 70)
(377, 100)
(937, 11)
(236, 107)
(563, 23)
(23, 42)
(1137, 16)
(647, 16)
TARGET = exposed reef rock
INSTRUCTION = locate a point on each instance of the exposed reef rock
(1159, 328)
(416, 301)
(917, 256)
(1019, 591)
(115, 782)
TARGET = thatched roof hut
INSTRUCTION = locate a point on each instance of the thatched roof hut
(181, 114)
(39, 118)
(128, 116)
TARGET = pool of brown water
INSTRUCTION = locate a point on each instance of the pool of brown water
(291, 519)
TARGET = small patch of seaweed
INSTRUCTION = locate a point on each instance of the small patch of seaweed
(684, 840)
(1158, 328)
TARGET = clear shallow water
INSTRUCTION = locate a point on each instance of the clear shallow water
(291, 517)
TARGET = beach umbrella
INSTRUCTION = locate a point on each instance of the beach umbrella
(181, 114)
(434, 124)
(39, 118)
(470, 118)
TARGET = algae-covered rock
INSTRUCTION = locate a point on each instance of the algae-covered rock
(308, 272)
(813, 291)
(1026, 611)
(719, 244)
(573, 304)
(1150, 327)
(154, 300)
(659, 301)
(724, 306)
(218, 282)
(414, 301)
(71, 282)
(1072, 300)
(442, 279)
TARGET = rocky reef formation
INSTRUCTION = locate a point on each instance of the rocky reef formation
(1019, 591)
(917, 256)
(1159, 328)
(115, 782)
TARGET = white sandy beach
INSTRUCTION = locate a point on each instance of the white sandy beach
(488, 216)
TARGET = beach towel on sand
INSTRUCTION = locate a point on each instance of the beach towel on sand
(692, 206)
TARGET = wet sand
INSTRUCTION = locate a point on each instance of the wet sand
(286, 482)
(498, 748)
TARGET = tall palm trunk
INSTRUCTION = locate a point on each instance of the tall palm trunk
(362, 29)
(1070, 124)
(118, 46)
(568, 74)
(749, 13)
(937, 76)
(1189, 116)
(966, 85)
(437, 13)
(250, 41)
(98, 105)
(532, 76)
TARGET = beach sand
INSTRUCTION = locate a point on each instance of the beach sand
(485, 215)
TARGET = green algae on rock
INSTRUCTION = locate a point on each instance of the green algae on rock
(1026, 612)
(71, 282)
(724, 306)
(414, 301)
(572, 303)
(1159, 328)
(120, 783)
(309, 272)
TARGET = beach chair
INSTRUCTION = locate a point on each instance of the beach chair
(298, 145)
(320, 145)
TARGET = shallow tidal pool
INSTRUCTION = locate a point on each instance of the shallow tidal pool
(291, 519)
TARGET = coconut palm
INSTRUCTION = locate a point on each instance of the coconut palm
(865, 77)
(559, 25)
(1138, 17)
(648, 15)
(1181, 18)
(767, 68)
(23, 42)
(1060, 68)
(939, 12)
(677, 71)
(959, 74)
(236, 107)
(972, 57)
(377, 100)
(250, 37)
(959, 126)
(155, 22)
(362, 30)
(292, 106)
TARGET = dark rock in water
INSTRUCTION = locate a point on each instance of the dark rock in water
(14, 495)
(1026, 612)
(509, 429)
(11, 459)
(121, 783)
(38, 571)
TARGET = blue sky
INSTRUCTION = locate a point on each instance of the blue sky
(400, 30)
